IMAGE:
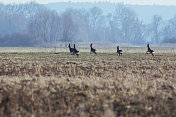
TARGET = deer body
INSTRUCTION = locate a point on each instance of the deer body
(149, 50)
(119, 51)
(92, 49)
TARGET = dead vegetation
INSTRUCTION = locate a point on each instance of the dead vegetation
(47, 84)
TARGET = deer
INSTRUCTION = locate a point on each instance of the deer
(149, 50)
(92, 50)
(75, 51)
(119, 51)
(71, 49)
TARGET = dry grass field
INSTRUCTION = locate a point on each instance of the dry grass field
(44, 84)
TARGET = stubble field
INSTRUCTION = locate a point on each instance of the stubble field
(48, 84)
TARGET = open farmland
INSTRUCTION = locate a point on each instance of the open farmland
(37, 82)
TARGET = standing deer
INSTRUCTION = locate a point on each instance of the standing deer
(75, 51)
(119, 51)
(71, 49)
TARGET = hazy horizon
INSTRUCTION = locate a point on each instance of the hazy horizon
(33, 24)
(134, 2)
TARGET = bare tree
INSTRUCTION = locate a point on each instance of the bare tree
(156, 28)
(45, 26)
(69, 28)
(169, 31)
(124, 24)
(95, 21)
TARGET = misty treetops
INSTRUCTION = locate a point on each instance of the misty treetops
(33, 24)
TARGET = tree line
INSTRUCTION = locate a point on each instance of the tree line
(33, 24)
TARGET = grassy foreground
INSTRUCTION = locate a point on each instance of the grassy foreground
(52, 85)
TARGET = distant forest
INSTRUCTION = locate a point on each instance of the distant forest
(33, 24)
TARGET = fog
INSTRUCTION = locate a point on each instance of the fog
(33, 24)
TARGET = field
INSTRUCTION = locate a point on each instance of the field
(48, 82)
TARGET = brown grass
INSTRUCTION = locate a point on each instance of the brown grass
(47, 84)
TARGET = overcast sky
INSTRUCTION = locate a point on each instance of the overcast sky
(161, 2)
